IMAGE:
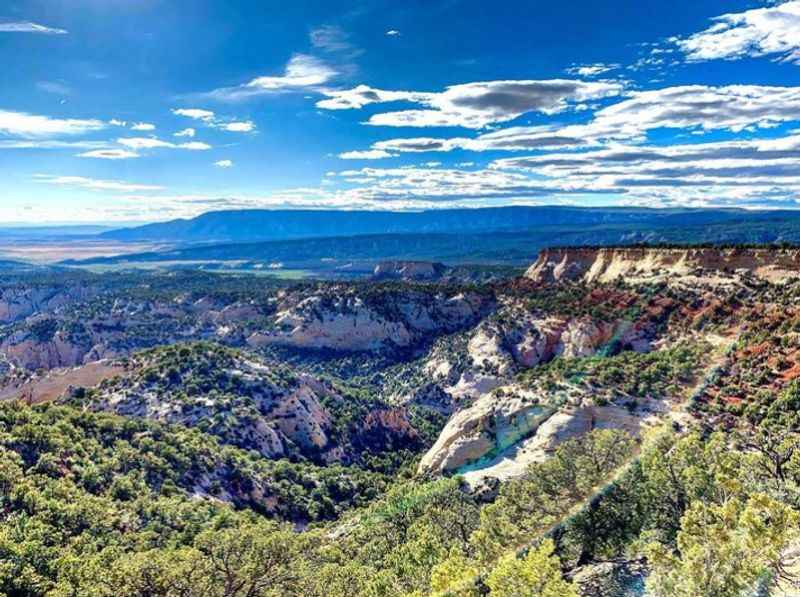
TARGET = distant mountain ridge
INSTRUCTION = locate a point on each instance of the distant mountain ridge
(263, 225)
(487, 247)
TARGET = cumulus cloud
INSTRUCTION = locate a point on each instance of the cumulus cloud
(223, 164)
(696, 107)
(29, 27)
(770, 31)
(109, 154)
(302, 72)
(363, 95)
(210, 119)
(371, 154)
(23, 124)
(143, 126)
(238, 127)
(195, 114)
(95, 184)
(473, 105)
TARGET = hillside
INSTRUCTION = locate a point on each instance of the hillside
(417, 436)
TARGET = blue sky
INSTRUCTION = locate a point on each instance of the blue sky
(143, 110)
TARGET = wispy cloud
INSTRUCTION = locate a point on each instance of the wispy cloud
(95, 184)
(54, 87)
(29, 27)
(143, 126)
(371, 154)
(138, 143)
(224, 164)
(591, 70)
(190, 132)
(109, 154)
(335, 40)
(51, 144)
(302, 72)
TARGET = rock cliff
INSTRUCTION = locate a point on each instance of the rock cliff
(606, 264)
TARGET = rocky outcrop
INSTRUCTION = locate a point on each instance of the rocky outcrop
(606, 264)
(524, 340)
(20, 301)
(351, 323)
(487, 427)
(503, 432)
(409, 271)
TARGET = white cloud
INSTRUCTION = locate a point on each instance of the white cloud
(474, 105)
(210, 119)
(194, 146)
(143, 126)
(363, 95)
(95, 184)
(31, 125)
(223, 164)
(28, 27)
(702, 173)
(50, 144)
(238, 127)
(372, 154)
(137, 143)
(591, 70)
(769, 31)
(732, 107)
(694, 108)
(393, 33)
(109, 154)
(302, 72)
(195, 113)
(116, 122)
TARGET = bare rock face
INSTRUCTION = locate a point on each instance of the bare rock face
(503, 432)
(30, 353)
(349, 323)
(526, 340)
(487, 427)
(410, 271)
(606, 264)
(17, 303)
